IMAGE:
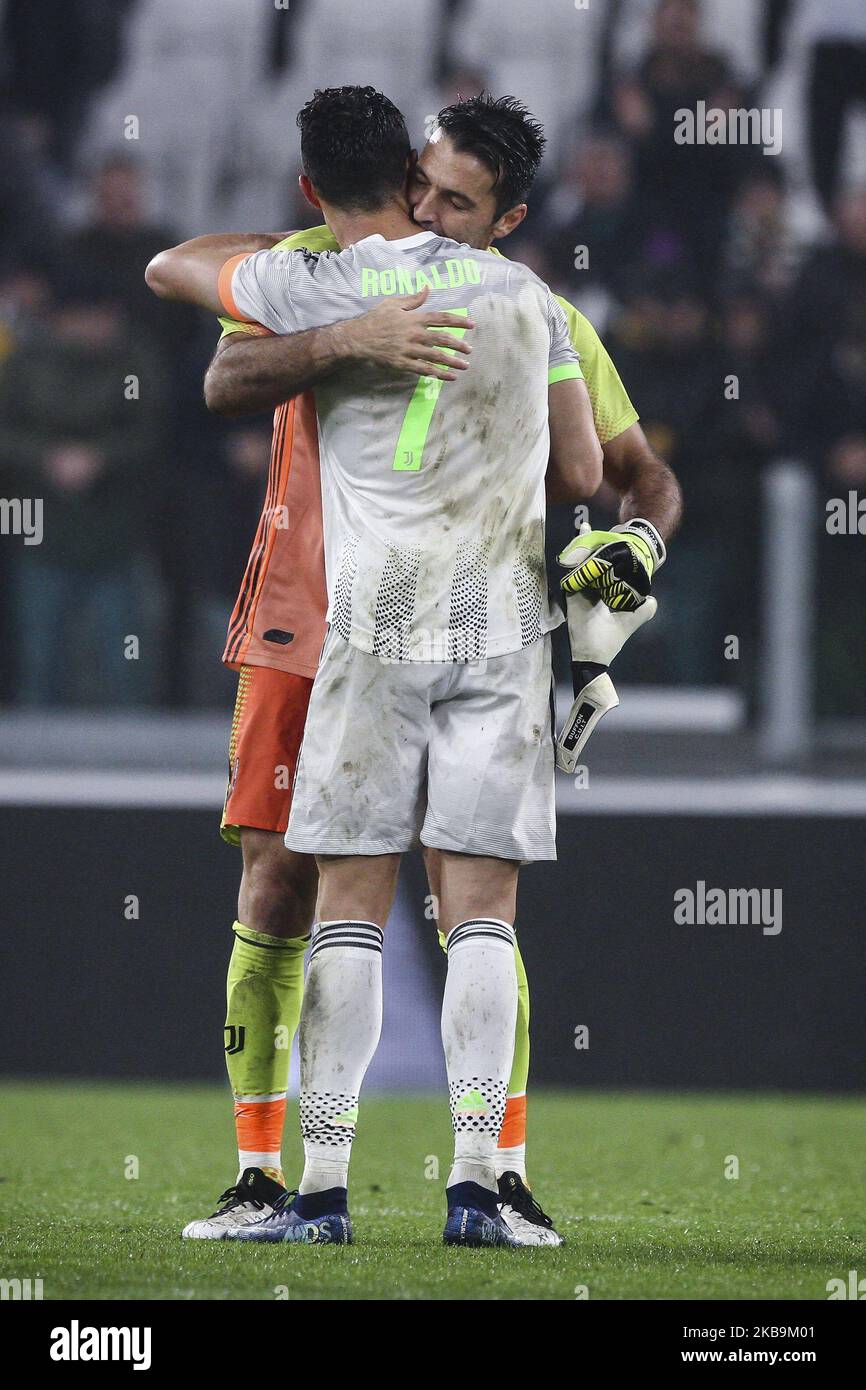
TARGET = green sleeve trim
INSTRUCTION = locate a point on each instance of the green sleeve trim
(235, 326)
(567, 372)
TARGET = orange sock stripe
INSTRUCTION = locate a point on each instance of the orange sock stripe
(260, 1125)
(513, 1131)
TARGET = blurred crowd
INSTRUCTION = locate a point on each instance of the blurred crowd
(729, 286)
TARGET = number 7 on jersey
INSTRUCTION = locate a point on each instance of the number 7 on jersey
(419, 414)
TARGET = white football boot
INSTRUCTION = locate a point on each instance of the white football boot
(523, 1215)
(254, 1197)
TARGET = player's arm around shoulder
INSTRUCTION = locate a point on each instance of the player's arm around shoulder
(574, 470)
(190, 272)
(249, 373)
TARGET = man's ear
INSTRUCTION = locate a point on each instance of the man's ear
(411, 161)
(504, 225)
(309, 191)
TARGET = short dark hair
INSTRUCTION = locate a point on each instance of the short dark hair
(354, 146)
(503, 135)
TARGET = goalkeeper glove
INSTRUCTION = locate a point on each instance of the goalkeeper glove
(596, 634)
(618, 564)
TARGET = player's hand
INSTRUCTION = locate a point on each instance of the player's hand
(396, 335)
(618, 565)
(596, 633)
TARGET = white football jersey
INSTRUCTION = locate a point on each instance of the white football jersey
(432, 492)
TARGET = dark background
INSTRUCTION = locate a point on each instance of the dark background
(666, 1005)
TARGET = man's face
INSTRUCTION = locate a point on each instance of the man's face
(451, 194)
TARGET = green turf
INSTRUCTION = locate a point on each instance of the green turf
(636, 1183)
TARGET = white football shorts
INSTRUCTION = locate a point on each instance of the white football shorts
(458, 754)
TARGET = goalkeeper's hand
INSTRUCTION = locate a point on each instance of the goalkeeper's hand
(596, 634)
(618, 565)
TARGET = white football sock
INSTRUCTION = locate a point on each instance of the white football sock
(248, 1159)
(511, 1160)
(479, 1013)
(340, 1025)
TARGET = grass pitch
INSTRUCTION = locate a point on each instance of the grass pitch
(636, 1183)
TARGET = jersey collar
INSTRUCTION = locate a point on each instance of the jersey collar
(403, 243)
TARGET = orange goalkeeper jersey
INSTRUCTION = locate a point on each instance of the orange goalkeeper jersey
(279, 617)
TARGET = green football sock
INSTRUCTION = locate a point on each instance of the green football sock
(520, 1064)
(264, 992)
